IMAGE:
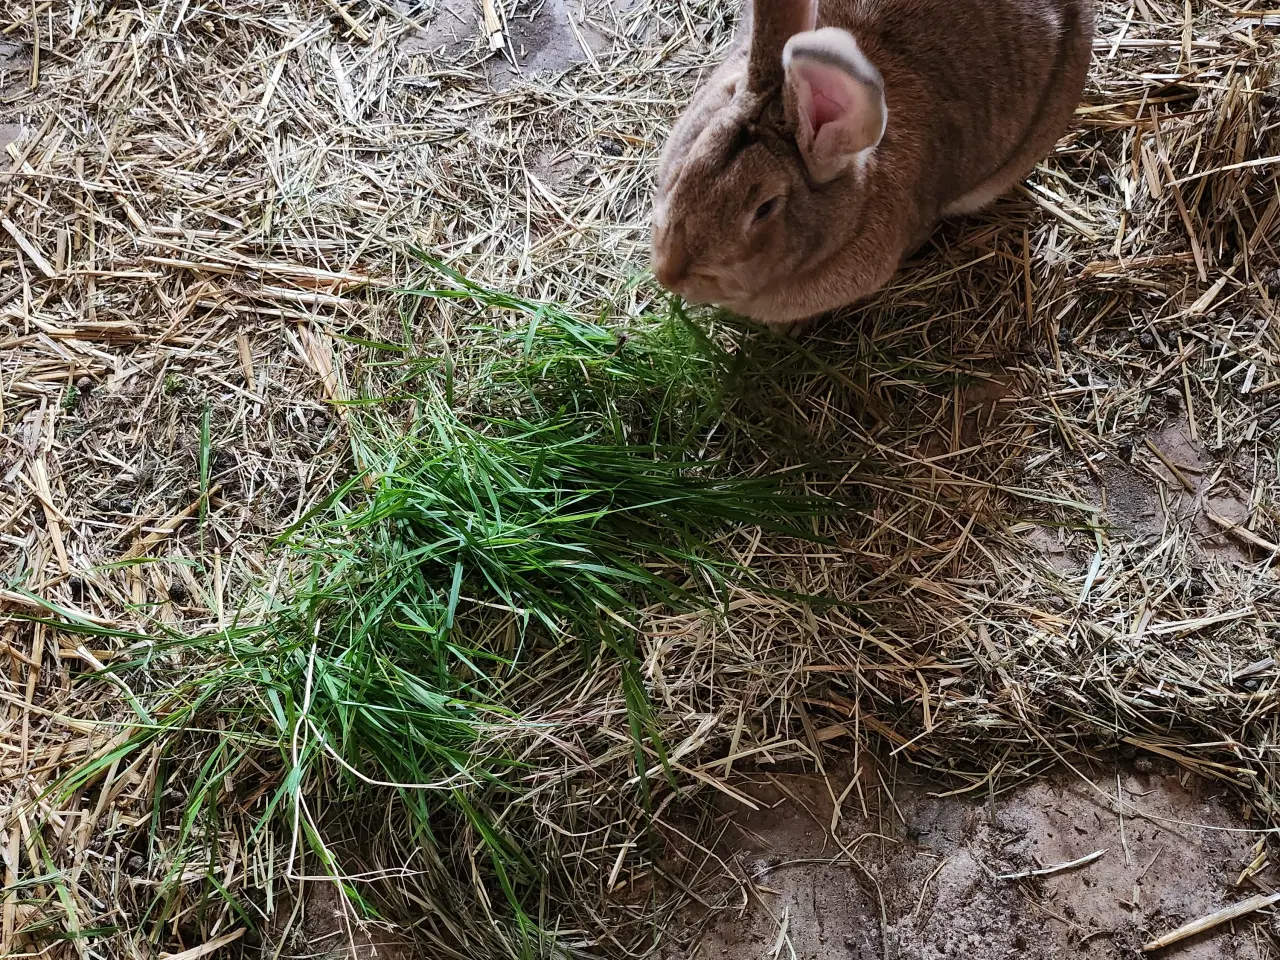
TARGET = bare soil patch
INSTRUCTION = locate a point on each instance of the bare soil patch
(326, 928)
(545, 37)
(927, 876)
(15, 66)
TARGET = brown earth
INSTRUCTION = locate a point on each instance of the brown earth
(15, 67)
(929, 876)
(545, 38)
(325, 929)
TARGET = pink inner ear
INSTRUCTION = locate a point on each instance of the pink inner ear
(830, 95)
(824, 110)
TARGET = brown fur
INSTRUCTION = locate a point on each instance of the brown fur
(977, 92)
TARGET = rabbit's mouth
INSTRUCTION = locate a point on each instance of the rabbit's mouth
(677, 270)
(702, 285)
(710, 288)
(683, 271)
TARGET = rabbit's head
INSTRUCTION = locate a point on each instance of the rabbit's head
(763, 176)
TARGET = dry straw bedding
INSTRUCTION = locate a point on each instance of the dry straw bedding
(1058, 427)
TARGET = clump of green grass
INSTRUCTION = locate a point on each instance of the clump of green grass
(656, 379)
(547, 532)
(543, 499)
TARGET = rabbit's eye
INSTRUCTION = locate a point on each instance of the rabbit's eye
(766, 208)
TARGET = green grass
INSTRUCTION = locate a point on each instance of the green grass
(533, 502)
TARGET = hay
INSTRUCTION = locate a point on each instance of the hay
(1056, 428)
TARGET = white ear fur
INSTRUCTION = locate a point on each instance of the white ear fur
(835, 98)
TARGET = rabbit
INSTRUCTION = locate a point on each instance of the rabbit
(836, 136)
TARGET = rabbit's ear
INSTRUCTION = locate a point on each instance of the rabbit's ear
(773, 23)
(834, 99)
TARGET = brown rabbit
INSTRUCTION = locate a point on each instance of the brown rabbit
(817, 157)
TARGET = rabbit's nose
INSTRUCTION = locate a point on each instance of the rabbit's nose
(671, 262)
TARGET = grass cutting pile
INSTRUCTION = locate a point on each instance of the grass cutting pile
(388, 567)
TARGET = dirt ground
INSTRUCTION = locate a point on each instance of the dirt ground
(919, 876)
(14, 63)
(549, 37)
(327, 932)
(932, 875)
(945, 876)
